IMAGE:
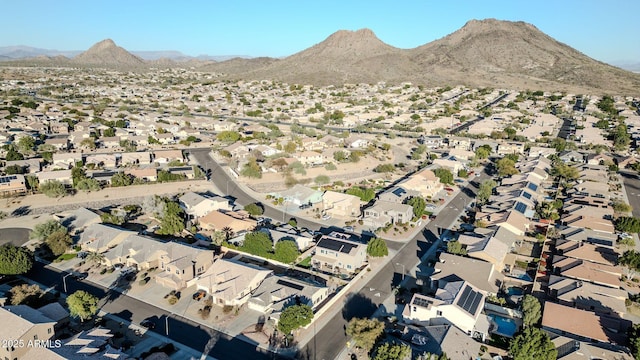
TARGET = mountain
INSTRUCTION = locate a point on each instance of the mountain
(344, 57)
(504, 53)
(21, 52)
(162, 54)
(107, 53)
(490, 52)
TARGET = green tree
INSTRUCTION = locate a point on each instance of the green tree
(254, 209)
(485, 190)
(172, 221)
(13, 155)
(365, 332)
(377, 248)
(110, 132)
(387, 351)
(365, 194)
(59, 242)
(14, 169)
(322, 179)
(630, 259)
(463, 173)
(627, 224)
(88, 143)
(53, 188)
(294, 317)
(290, 147)
(251, 169)
(286, 251)
(354, 157)
(483, 152)
(532, 344)
(43, 230)
(455, 247)
(445, 176)
(82, 305)
(531, 310)
(418, 204)
(506, 167)
(87, 185)
(634, 340)
(560, 170)
(24, 294)
(228, 136)
(257, 243)
(77, 174)
(26, 144)
(384, 168)
(121, 179)
(340, 156)
(110, 218)
(14, 260)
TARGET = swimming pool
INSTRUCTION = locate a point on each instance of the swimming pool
(506, 326)
(514, 290)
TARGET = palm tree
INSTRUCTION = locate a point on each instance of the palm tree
(95, 257)
(228, 232)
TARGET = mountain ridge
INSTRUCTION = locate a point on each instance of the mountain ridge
(489, 52)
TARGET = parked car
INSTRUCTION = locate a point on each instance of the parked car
(348, 228)
(326, 217)
(305, 206)
(430, 207)
(199, 295)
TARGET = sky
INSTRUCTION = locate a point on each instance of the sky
(605, 30)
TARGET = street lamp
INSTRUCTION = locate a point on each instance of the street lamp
(402, 270)
(64, 282)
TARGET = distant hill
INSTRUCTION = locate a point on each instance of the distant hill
(22, 52)
(107, 53)
(492, 53)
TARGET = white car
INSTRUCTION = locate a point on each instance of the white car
(326, 217)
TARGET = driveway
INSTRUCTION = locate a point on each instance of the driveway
(15, 236)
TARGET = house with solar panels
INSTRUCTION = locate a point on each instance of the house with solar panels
(339, 255)
(12, 184)
(456, 303)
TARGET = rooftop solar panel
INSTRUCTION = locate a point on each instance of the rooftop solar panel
(469, 300)
(533, 186)
(521, 207)
(335, 245)
(421, 302)
(398, 191)
(290, 284)
(526, 195)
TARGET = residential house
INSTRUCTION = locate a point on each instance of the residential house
(63, 176)
(601, 274)
(30, 166)
(79, 219)
(591, 188)
(384, 212)
(340, 204)
(571, 349)
(216, 221)
(587, 296)
(439, 340)
(310, 158)
(450, 164)
(12, 185)
(425, 182)
(182, 264)
(135, 158)
(22, 325)
(461, 154)
(66, 160)
(355, 142)
(456, 303)
(430, 141)
(589, 236)
(186, 171)
(196, 205)
(338, 255)
(167, 156)
(581, 325)
(146, 174)
(166, 138)
(510, 147)
(57, 313)
(478, 273)
(485, 247)
(300, 194)
(538, 151)
(110, 141)
(60, 143)
(599, 159)
(93, 343)
(230, 282)
(100, 238)
(398, 195)
(458, 142)
(101, 160)
(571, 156)
(276, 293)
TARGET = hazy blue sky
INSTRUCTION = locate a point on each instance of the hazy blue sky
(605, 30)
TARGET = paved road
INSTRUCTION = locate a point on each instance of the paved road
(16, 236)
(128, 308)
(331, 339)
(226, 183)
(632, 187)
(468, 124)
